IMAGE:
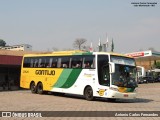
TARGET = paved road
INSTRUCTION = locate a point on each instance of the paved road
(148, 99)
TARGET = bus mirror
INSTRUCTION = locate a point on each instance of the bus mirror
(112, 67)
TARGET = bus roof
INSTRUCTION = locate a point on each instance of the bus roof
(113, 53)
(61, 53)
(75, 52)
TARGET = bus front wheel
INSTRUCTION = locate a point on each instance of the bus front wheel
(33, 87)
(40, 88)
(88, 93)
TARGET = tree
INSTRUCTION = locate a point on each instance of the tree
(157, 64)
(2, 43)
(54, 49)
(151, 48)
(78, 43)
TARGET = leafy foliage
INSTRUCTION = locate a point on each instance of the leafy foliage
(2, 43)
(157, 65)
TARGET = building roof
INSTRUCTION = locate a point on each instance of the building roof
(8, 57)
(16, 53)
(148, 55)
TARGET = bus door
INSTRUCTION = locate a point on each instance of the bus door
(103, 70)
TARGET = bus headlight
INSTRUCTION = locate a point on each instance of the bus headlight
(135, 90)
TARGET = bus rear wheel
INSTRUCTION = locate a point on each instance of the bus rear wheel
(40, 88)
(88, 93)
(33, 87)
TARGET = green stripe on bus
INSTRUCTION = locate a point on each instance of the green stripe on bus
(87, 53)
(83, 53)
(63, 78)
(72, 78)
(130, 89)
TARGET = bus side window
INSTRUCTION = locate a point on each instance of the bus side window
(93, 63)
(32, 62)
(42, 62)
(54, 62)
(65, 62)
(59, 62)
(47, 63)
(39, 62)
(35, 63)
(26, 62)
(76, 62)
(53, 65)
(51, 62)
(89, 62)
(87, 65)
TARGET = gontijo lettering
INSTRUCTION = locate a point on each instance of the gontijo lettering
(45, 72)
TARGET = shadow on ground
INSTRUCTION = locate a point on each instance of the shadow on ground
(72, 96)
(137, 100)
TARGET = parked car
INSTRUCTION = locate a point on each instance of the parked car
(157, 79)
(148, 79)
(141, 80)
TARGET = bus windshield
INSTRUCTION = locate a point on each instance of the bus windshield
(125, 72)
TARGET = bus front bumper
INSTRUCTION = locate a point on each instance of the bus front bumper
(117, 94)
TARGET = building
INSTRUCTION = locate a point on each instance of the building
(145, 58)
(10, 68)
(22, 47)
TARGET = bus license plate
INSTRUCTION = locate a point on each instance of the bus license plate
(125, 95)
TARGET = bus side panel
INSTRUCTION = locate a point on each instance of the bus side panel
(25, 82)
(48, 77)
(72, 78)
(51, 80)
(67, 78)
(62, 78)
(76, 81)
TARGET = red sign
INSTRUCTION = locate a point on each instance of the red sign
(137, 54)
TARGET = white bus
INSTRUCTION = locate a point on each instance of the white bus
(92, 74)
(141, 71)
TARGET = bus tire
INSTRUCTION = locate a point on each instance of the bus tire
(88, 93)
(40, 88)
(33, 87)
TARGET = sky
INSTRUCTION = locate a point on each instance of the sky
(48, 24)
